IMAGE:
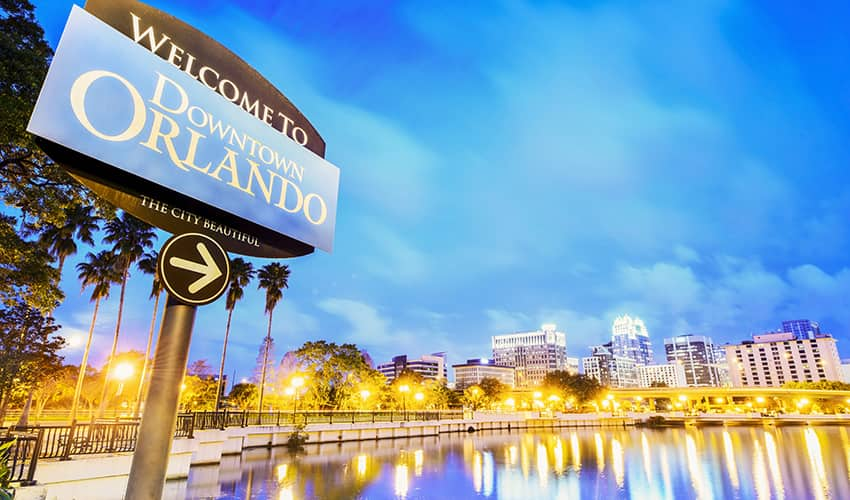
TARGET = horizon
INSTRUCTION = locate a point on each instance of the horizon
(603, 172)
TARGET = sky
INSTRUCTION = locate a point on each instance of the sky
(509, 164)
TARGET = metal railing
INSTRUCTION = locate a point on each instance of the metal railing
(187, 423)
(22, 456)
(64, 441)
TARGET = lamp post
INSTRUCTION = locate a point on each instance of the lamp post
(404, 389)
(364, 395)
(297, 383)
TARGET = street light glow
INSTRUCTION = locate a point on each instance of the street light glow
(404, 388)
(364, 394)
(538, 394)
(289, 391)
(123, 371)
(683, 398)
(297, 382)
(418, 396)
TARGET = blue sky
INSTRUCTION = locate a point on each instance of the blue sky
(506, 164)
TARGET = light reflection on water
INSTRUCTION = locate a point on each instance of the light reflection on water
(735, 462)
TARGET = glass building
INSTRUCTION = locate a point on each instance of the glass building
(631, 340)
(697, 355)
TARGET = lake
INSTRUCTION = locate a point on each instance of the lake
(716, 462)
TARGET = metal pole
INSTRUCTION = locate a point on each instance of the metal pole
(156, 432)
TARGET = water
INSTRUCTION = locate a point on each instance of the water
(739, 462)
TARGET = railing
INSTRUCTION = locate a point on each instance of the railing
(223, 419)
(64, 441)
(23, 456)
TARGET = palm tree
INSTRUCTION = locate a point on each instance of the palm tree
(80, 223)
(130, 237)
(99, 272)
(274, 278)
(147, 265)
(241, 273)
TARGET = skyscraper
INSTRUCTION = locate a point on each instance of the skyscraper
(631, 340)
(801, 328)
(533, 354)
(609, 369)
(697, 356)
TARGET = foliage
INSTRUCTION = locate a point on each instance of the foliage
(273, 278)
(265, 353)
(474, 398)
(335, 374)
(579, 386)
(200, 368)
(823, 385)
(25, 270)
(30, 349)
(198, 393)
(493, 389)
(297, 438)
(40, 190)
(80, 223)
(98, 271)
(243, 396)
(6, 491)
(241, 274)
(147, 265)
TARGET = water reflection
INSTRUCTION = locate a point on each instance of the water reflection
(746, 463)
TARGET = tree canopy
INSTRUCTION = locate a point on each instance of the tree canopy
(579, 386)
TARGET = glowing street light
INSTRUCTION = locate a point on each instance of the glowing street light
(364, 394)
(683, 398)
(510, 402)
(760, 400)
(404, 389)
(538, 394)
(418, 396)
(122, 372)
(297, 382)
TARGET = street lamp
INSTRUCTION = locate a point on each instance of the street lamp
(296, 384)
(404, 389)
(419, 397)
(122, 372)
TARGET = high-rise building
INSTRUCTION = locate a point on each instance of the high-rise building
(572, 365)
(430, 366)
(631, 340)
(773, 360)
(532, 354)
(667, 375)
(697, 355)
(801, 328)
(474, 370)
(608, 368)
(845, 371)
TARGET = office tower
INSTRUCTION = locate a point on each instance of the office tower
(609, 369)
(631, 340)
(532, 354)
(802, 328)
(430, 366)
(771, 360)
(474, 370)
(696, 354)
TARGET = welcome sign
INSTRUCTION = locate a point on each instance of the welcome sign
(127, 120)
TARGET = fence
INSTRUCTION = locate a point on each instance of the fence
(64, 441)
(190, 422)
(22, 456)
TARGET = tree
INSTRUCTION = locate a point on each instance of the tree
(98, 271)
(29, 181)
(579, 386)
(241, 273)
(25, 270)
(273, 278)
(494, 390)
(60, 240)
(243, 396)
(336, 375)
(130, 237)
(147, 265)
(474, 398)
(30, 349)
(200, 368)
(197, 393)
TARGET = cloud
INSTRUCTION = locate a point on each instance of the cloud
(390, 256)
(366, 324)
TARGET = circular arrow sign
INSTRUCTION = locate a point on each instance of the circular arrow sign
(194, 268)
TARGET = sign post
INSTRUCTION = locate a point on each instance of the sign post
(195, 271)
(171, 127)
(150, 460)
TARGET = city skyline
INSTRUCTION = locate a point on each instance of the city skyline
(673, 219)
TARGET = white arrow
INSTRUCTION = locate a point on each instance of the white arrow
(209, 269)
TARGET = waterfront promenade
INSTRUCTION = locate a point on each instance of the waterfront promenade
(210, 437)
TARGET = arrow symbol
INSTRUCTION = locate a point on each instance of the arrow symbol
(208, 269)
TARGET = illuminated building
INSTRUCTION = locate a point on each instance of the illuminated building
(697, 355)
(631, 340)
(771, 360)
(430, 366)
(669, 375)
(609, 369)
(471, 373)
(532, 354)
